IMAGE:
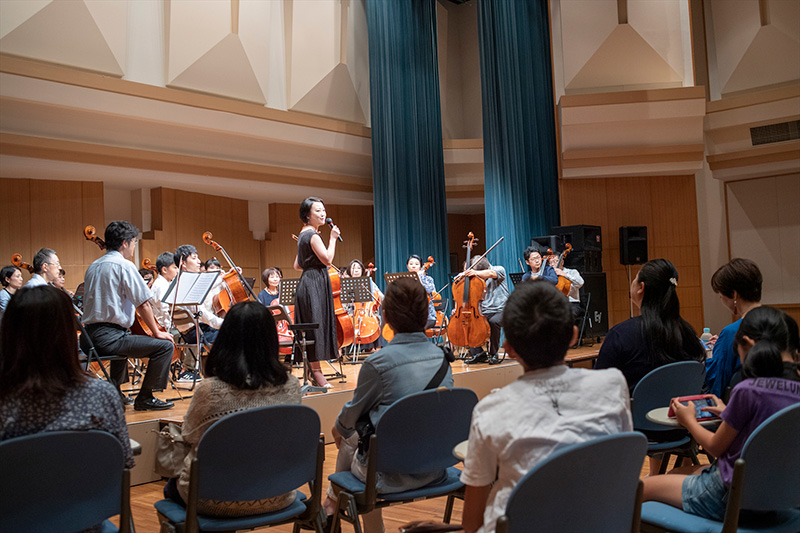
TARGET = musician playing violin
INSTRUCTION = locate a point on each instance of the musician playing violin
(314, 297)
(539, 268)
(113, 291)
(414, 264)
(494, 300)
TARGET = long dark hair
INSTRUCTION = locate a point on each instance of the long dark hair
(39, 344)
(245, 352)
(669, 337)
(774, 332)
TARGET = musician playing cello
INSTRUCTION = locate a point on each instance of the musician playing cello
(576, 282)
(113, 292)
(494, 300)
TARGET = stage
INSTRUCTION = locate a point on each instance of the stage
(481, 378)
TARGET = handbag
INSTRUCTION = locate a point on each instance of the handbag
(171, 450)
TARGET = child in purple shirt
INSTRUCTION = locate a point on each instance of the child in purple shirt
(767, 338)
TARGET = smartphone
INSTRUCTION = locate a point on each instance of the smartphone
(700, 401)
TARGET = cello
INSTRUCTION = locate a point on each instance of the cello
(367, 325)
(564, 285)
(468, 327)
(17, 261)
(234, 288)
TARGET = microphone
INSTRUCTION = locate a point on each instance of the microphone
(329, 221)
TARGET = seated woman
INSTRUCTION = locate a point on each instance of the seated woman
(766, 342)
(659, 336)
(355, 270)
(42, 385)
(738, 284)
(242, 372)
(403, 367)
(11, 279)
(271, 277)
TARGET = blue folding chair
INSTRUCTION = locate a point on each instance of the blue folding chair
(416, 435)
(574, 491)
(252, 455)
(655, 390)
(45, 487)
(764, 483)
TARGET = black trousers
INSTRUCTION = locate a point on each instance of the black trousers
(495, 326)
(110, 339)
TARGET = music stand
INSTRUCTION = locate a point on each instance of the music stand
(516, 277)
(356, 290)
(394, 276)
(190, 288)
(287, 288)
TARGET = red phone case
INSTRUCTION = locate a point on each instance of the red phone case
(671, 413)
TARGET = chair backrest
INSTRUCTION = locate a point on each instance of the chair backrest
(60, 481)
(590, 486)
(662, 384)
(258, 453)
(417, 433)
(772, 463)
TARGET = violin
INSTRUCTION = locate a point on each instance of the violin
(234, 288)
(468, 327)
(17, 261)
(139, 326)
(365, 319)
(564, 285)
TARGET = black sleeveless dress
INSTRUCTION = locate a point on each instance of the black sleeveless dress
(314, 301)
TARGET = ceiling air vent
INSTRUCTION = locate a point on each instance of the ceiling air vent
(775, 133)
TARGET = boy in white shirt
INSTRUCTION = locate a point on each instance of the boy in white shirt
(548, 408)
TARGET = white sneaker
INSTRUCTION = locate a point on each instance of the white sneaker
(188, 376)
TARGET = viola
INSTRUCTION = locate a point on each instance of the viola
(234, 288)
(468, 327)
(139, 326)
(17, 261)
(564, 285)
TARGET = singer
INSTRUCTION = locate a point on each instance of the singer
(314, 298)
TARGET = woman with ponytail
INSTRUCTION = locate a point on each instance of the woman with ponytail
(659, 336)
(767, 343)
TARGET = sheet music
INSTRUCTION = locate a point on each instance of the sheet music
(192, 289)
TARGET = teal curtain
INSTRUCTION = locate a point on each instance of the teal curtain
(407, 157)
(519, 145)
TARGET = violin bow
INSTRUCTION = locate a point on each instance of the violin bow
(474, 261)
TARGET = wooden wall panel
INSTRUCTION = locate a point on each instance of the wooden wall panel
(50, 214)
(667, 206)
(458, 226)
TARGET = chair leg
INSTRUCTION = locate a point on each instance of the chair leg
(448, 508)
(662, 468)
(347, 510)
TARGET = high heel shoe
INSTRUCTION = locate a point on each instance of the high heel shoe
(316, 379)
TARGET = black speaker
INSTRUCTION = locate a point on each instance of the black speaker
(595, 294)
(587, 247)
(633, 245)
(547, 241)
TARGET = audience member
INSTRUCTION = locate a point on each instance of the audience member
(42, 385)
(765, 341)
(657, 337)
(738, 284)
(242, 372)
(11, 279)
(408, 364)
(45, 268)
(548, 408)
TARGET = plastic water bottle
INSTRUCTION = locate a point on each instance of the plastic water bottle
(705, 337)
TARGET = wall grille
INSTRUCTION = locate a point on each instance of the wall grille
(774, 133)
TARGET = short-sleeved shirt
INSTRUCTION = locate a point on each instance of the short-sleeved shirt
(525, 422)
(724, 361)
(494, 300)
(92, 405)
(35, 281)
(753, 401)
(113, 290)
(159, 289)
